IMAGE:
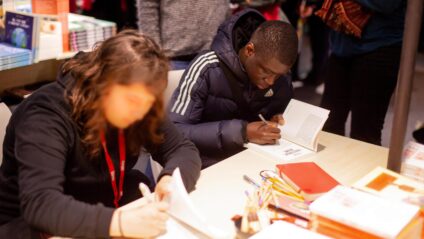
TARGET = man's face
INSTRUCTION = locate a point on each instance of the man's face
(263, 71)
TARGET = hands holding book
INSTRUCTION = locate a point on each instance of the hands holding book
(265, 132)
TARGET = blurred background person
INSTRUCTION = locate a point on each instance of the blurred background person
(184, 27)
(366, 43)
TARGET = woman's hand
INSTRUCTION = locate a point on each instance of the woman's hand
(162, 189)
(146, 221)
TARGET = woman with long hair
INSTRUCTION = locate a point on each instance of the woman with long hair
(70, 148)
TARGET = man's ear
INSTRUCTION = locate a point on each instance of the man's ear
(250, 49)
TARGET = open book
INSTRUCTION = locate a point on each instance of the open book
(185, 221)
(183, 212)
(299, 134)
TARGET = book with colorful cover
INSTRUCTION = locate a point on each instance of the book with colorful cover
(307, 178)
(356, 214)
(55, 7)
(21, 30)
(50, 37)
(388, 184)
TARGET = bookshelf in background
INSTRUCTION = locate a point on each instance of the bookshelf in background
(51, 43)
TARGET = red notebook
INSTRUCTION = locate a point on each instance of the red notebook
(307, 178)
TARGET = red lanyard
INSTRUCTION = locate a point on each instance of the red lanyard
(109, 161)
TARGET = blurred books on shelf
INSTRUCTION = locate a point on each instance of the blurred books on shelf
(85, 32)
(49, 38)
(60, 8)
(44, 32)
(350, 213)
(11, 57)
(17, 5)
(413, 161)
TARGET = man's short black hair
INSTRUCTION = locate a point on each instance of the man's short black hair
(276, 39)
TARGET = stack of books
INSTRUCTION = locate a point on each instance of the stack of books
(85, 32)
(11, 57)
(350, 213)
(413, 161)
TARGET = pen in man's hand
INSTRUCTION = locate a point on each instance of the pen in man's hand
(262, 118)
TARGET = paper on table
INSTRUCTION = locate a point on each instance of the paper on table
(182, 208)
(280, 228)
(284, 150)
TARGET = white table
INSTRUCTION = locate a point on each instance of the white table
(219, 193)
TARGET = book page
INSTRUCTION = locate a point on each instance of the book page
(182, 208)
(283, 150)
(185, 221)
(303, 122)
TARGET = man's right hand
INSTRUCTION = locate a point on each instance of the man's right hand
(259, 132)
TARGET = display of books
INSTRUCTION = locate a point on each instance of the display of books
(43, 34)
(299, 134)
(85, 32)
(11, 56)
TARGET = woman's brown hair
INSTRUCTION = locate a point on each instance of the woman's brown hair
(126, 58)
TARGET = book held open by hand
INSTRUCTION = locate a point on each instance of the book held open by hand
(299, 134)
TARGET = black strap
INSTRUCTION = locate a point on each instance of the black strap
(244, 109)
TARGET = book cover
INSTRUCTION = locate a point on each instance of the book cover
(19, 29)
(56, 7)
(310, 180)
(388, 184)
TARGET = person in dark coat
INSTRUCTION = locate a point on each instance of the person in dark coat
(221, 94)
(70, 148)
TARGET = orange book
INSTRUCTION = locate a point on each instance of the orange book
(307, 178)
(55, 7)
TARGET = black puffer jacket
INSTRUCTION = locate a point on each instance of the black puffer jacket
(203, 106)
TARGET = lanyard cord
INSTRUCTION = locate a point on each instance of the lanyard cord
(111, 167)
